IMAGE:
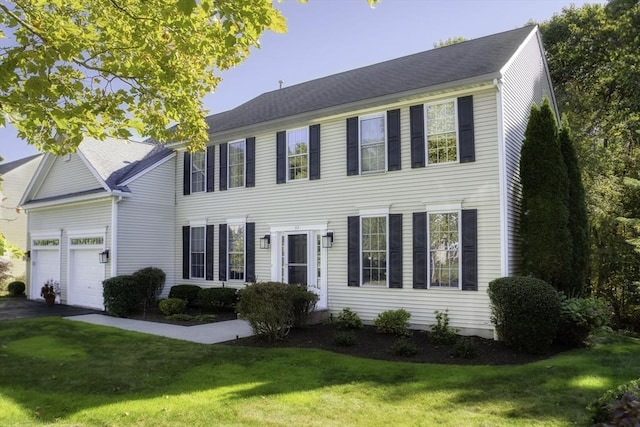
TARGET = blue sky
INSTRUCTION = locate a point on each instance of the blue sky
(330, 36)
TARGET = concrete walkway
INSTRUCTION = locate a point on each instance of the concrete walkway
(209, 333)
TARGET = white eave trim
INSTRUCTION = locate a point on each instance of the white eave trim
(506, 66)
(75, 199)
(148, 169)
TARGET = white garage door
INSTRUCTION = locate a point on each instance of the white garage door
(45, 265)
(85, 278)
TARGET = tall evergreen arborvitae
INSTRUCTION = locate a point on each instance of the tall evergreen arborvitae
(578, 219)
(544, 223)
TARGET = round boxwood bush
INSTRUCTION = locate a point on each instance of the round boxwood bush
(122, 295)
(218, 299)
(150, 281)
(173, 306)
(395, 322)
(16, 288)
(525, 311)
(186, 292)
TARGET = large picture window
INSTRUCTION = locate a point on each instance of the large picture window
(298, 154)
(442, 139)
(236, 251)
(372, 144)
(196, 250)
(374, 251)
(198, 171)
(444, 254)
(237, 152)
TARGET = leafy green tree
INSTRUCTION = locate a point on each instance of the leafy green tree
(544, 222)
(449, 41)
(578, 220)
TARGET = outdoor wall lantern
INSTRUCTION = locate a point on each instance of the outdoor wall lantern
(327, 240)
(104, 256)
(265, 242)
(27, 255)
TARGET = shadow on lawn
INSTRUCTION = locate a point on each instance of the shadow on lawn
(54, 368)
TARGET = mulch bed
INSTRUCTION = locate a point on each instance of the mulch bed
(373, 345)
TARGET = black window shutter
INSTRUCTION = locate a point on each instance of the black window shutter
(416, 113)
(314, 152)
(353, 251)
(211, 151)
(209, 252)
(250, 180)
(395, 250)
(465, 129)
(186, 246)
(186, 182)
(420, 250)
(222, 252)
(470, 250)
(352, 146)
(223, 166)
(250, 251)
(281, 157)
(394, 162)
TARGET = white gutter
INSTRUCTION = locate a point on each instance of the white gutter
(72, 200)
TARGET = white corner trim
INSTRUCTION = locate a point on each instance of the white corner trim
(502, 174)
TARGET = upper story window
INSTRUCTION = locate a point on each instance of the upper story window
(197, 251)
(444, 254)
(374, 250)
(372, 144)
(236, 251)
(298, 154)
(237, 154)
(442, 137)
(198, 171)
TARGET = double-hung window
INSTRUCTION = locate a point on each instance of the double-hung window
(374, 250)
(197, 251)
(198, 171)
(442, 132)
(236, 251)
(237, 154)
(444, 249)
(298, 154)
(372, 143)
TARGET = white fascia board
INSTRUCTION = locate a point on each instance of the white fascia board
(95, 173)
(73, 200)
(506, 66)
(148, 169)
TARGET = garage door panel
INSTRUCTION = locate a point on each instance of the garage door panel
(45, 265)
(85, 279)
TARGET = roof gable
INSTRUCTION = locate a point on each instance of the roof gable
(482, 57)
(8, 167)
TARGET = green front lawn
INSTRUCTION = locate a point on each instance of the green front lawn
(59, 371)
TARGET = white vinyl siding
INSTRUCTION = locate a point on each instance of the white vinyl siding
(336, 197)
(67, 177)
(525, 81)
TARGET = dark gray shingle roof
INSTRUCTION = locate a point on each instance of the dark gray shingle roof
(457, 62)
(16, 163)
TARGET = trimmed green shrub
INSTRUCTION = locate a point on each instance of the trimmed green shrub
(441, 333)
(172, 306)
(271, 308)
(151, 281)
(344, 339)
(579, 317)
(617, 402)
(16, 288)
(465, 348)
(218, 299)
(348, 320)
(301, 302)
(404, 347)
(395, 322)
(185, 292)
(121, 295)
(525, 311)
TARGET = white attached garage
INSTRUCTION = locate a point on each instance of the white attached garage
(86, 273)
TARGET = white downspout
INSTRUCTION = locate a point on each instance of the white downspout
(113, 253)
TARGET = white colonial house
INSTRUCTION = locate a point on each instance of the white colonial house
(390, 186)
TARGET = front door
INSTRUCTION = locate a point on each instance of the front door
(301, 262)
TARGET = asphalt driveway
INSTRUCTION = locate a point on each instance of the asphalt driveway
(19, 308)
